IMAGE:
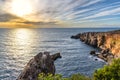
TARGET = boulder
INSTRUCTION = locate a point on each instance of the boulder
(93, 53)
(96, 59)
(41, 63)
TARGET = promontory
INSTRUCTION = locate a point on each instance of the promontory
(108, 43)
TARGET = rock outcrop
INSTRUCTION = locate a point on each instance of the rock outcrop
(76, 36)
(107, 42)
(41, 63)
(93, 53)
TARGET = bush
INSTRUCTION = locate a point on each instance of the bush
(50, 77)
(111, 72)
(59, 77)
(78, 77)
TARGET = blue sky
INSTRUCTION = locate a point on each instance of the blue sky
(67, 13)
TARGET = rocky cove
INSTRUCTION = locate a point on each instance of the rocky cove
(16, 54)
(108, 43)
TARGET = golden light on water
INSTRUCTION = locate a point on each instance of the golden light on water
(22, 36)
(21, 42)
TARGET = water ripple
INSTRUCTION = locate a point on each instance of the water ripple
(18, 46)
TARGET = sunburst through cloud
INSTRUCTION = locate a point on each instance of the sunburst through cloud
(64, 12)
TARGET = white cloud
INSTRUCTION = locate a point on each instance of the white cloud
(92, 2)
(104, 13)
(67, 10)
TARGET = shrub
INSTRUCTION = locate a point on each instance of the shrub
(78, 77)
(50, 77)
(108, 72)
(59, 77)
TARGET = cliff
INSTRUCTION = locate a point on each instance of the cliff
(107, 42)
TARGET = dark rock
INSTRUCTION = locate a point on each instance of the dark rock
(96, 59)
(92, 52)
(101, 57)
(106, 55)
(106, 51)
(41, 63)
(56, 56)
(76, 36)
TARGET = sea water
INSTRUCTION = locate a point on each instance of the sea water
(19, 45)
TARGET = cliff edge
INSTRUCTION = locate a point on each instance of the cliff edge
(107, 42)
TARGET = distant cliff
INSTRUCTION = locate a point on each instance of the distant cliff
(106, 41)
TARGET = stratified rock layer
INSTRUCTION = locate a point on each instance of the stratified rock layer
(107, 42)
(41, 63)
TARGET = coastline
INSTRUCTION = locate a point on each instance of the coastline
(96, 39)
(107, 43)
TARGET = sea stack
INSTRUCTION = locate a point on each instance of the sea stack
(41, 63)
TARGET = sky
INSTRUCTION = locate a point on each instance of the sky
(59, 13)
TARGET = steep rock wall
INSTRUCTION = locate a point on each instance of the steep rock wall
(103, 40)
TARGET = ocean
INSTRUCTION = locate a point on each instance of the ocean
(19, 45)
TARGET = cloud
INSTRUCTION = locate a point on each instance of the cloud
(58, 11)
(92, 2)
(40, 23)
(104, 13)
(6, 17)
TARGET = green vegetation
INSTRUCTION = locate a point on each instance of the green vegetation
(111, 72)
(59, 77)
(78, 77)
(108, 72)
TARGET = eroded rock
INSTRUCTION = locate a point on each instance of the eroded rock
(41, 63)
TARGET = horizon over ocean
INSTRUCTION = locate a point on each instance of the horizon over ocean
(19, 45)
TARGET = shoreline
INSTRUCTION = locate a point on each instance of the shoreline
(107, 43)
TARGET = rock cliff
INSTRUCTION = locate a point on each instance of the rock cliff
(41, 63)
(107, 42)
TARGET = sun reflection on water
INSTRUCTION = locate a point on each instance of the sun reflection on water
(23, 36)
(21, 42)
(18, 46)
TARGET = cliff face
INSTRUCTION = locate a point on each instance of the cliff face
(103, 40)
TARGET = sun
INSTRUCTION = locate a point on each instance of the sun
(21, 8)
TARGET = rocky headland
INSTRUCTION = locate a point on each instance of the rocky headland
(41, 63)
(108, 43)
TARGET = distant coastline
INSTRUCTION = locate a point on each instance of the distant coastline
(107, 42)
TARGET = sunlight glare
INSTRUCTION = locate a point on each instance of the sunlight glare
(21, 44)
(23, 36)
(21, 7)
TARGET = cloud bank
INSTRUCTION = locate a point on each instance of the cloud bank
(76, 12)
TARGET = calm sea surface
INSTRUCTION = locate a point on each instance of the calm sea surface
(18, 46)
